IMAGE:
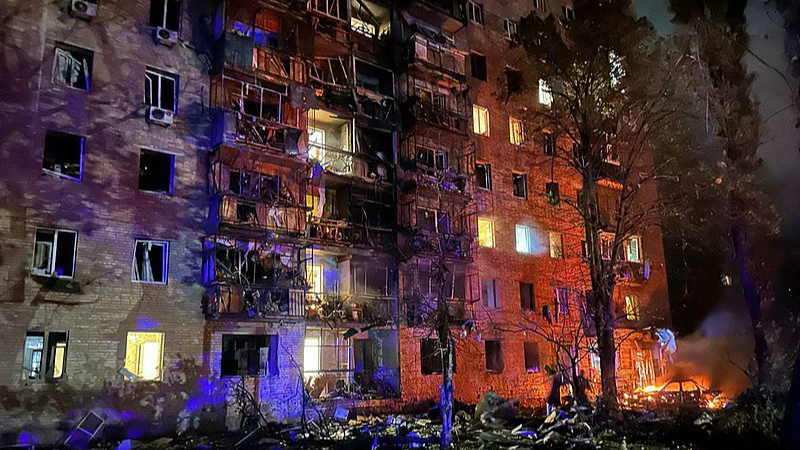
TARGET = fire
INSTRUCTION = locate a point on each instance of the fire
(675, 393)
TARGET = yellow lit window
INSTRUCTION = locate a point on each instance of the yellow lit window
(556, 245)
(59, 357)
(632, 307)
(545, 93)
(311, 357)
(314, 275)
(480, 120)
(144, 354)
(359, 26)
(516, 132)
(485, 232)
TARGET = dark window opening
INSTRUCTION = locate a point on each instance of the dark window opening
(63, 154)
(249, 355)
(72, 66)
(155, 171)
(532, 357)
(246, 212)
(519, 181)
(478, 64)
(549, 144)
(54, 253)
(483, 175)
(552, 193)
(374, 78)
(165, 14)
(150, 262)
(255, 185)
(494, 355)
(433, 159)
(526, 297)
(431, 358)
(161, 90)
(515, 82)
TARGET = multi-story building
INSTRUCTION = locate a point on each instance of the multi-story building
(253, 194)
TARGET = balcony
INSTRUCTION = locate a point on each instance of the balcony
(453, 245)
(421, 310)
(633, 273)
(273, 63)
(239, 211)
(253, 302)
(347, 308)
(344, 233)
(333, 9)
(436, 114)
(449, 15)
(440, 57)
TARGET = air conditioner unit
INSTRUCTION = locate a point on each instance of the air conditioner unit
(83, 9)
(165, 36)
(160, 116)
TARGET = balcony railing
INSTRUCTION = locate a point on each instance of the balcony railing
(253, 302)
(333, 72)
(349, 308)
(454, 245)
(336, 9)
(342, 162)
(633, 273)
(439, 115)
(276, 64)
(337, 232)
(240, 211)
(421, 310)
(438, 56)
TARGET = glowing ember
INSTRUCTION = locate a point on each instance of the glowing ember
(674, 393)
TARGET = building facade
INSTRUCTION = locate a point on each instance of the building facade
(215, 196)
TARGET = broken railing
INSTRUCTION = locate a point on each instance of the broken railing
(418, 310)
(438, 115)
(241, 211)
(345, 233)
(253, 301)
(336, 9)
(348, 308)
(453, 245)
(347, 163)
(333, 72)
(274, 63)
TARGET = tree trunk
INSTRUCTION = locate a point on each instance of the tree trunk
(446, 399)
(752, 297)
(607, 349)
(790, 435)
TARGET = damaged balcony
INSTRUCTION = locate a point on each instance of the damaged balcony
(347, 289)
(374, 90)
(250, 279)
(421, 292)
(434, 227)
(425, 50)
(447, 15)
(370, 22)
(257, 116)
(339, 364)
(438, 169)
(438, 104)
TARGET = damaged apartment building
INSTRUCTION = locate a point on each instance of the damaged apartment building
(257, 192)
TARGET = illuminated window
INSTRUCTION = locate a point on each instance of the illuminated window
(311, 357)
(485, 232)
(633, 249)
(314, 275)
(44, 355)
(545, 93)
(480, 120)
(359, 26)
(632, 307)
(525, 239)
(489, 293)
(516, 132)
(144, 354)
(316, 143)
(556, 245)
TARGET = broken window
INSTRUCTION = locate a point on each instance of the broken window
(551, 189)
(489, 293)
(255, 185)
(431, 357)
(144, 353)
(480, 120)
(165, 14)
(374, 78)
(516, 131)
(249, 355)
(632, 307)
(54, 253)
(72, 66)
(515, 82)
(494, 355)
(150, 261)
(160, 89)
(483, 175)
(525, 239)
(526, 298)
(549, 146)
(63, 154)
(155, 171)
(435, 159)
(44, 355)
(545, 93)
(510, 29)
(478, 66)
(370, 280)
(520, 182)
(562, 297)
(633, 249)
(556, 244)
(475, 11)
(485, 232)
(531, 357)
(433, 221)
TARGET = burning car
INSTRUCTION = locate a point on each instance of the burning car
(674, 394)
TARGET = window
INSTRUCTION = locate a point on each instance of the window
(249, 355)
(606, 245)
(155, 171)
(549, 145)
(485, 232)
(312, 356)
(531, 357)
(63, 154)
(315, 278)
(430, 357)
(632, 307)
(525, 239)
(478, 66)
(44, 355)
(539, 4)
(562, 296)
(434, 159)
(144, 353)
(72, 66)
(480, 120)
(161, 90)
(551, 188)
(515, 82)
(433, 221)
(494, 355)
(520, 182)
(150, 262)
(510, 29)
(526, 298)
(516, 131)
(556, 245)
(475, 11)
(568, 13)
(54, 253)
(545, 93)
(633, 249)
(483, 175)
(165, 14)
(489, 293)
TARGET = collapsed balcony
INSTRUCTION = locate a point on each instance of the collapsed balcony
(256, 115)
(250, 279)
(337, 364)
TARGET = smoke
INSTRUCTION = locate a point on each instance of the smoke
(716, 354)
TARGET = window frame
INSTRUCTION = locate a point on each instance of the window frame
(475, 13)
(488, 177)
(633, 309)
(567, 13)
(492, 290)
(529, 234)
(160, 75)
(532, 368)
(559, 247)
(164, 262)
(82, 155)
(478, 67)
(516, 131)
(481, 121)
(53, 251)
(481, 242)
(69, 48)
(160, 338)
(638, 240)
(498, 344)
(47, 358)
(511, 30)
(519, 176)
(164, 21)
(171, 156)
(532, 288)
